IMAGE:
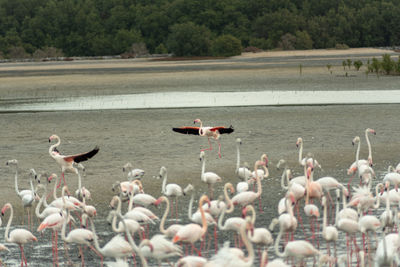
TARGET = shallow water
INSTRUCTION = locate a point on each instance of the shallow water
(204, 99)
(144, 137)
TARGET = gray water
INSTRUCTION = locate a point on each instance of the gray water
(144, 137)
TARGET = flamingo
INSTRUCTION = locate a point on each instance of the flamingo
(192, 232)
(248, 197)
(170, 190)
(66, 162)
(17, 236)
(242, 172)
(127, 187)
(191, 261)
(133, 174)
(208, 177)
(365, 172)
(368, 223)
(307, 160)
(172, 229)
(197, 217)
(81, 189)
(160, 249)
(299, 249)
(78, 236)
(264, 173)
(131, 241)
(354, 165)
(392, 177)
(132, 214)
(27, 196)
(234, 257)
(213, 132)
(329, 233)
(117, 247)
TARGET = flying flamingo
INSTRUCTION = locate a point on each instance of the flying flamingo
(133, 174)
(170, 190)
(17, 236)
(66, 162)
(208, 177)
(214, 132)
(192, 232)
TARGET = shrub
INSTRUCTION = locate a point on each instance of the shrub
(357, 64)
(349, 63)
(342, 46)
(387, 64)
(161, 49)
(252, 49)
(287, 42)
(18, 52)
(303, 40)
(375, 65)
(226, 46)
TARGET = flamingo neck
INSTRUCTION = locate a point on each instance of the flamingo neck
(307, 185)
(191, 205)
(55, 187)
(37, 209)
(164, 183)
(249, 246)
(369, 146)
(358, 154)
(259, 187)
(95, 239)
(284, 176)
(253, 214)
(130, 206)
(228, 200)
(6, 237)
(164, 217)
(132, 242)
(51, 148)
(203, 167)
(203, 217)
(276, 246)
(63, 237)
(201, 130)
(118, 210)
(378, 199)
(301, 152)
(324, 218)
(238, 157)
(344, 200)
(16, 180)
(221, 218)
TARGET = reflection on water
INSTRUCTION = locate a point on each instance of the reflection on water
(203, 99)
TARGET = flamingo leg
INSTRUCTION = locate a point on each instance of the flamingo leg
(215, 239)
(219, 149)
(210, 148)
(82, 258)
(97, 253)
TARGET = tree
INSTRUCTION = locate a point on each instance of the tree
(303, 40)
(226, 46)
(189, 39)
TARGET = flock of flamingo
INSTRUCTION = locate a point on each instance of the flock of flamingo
(350, 213)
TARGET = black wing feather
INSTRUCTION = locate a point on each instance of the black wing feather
(187, 130)
(226, 130)
(86, 156)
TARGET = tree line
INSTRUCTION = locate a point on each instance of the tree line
(39, 28)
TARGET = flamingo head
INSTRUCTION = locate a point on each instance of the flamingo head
(370, 161)
(291, 197)
(196, 120)
(249, 225)
(238, 141)
(264, 159)
(230, 187)
(299, 141)
(51, 177)
(159, 200)
(5, 207)
(355, 140)
(369, 130)
(346, 191)
(352, 170)
(12, 162)
(52, 137)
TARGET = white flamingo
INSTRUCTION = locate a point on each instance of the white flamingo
(210, 178)
(133, 174)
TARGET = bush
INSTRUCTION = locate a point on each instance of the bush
(387, 64)
(189, 39)
(342, 46)
(261, 43)
(47, 52)
(357, 64)
(287, 42)
(161, 49)
(226, 46)
(17, 52)
(303, 40)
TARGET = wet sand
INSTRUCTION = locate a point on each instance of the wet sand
(145, 138)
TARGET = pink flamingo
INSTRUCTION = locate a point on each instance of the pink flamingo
(309, 161)
(213, 132)
(170, 190)
(172, 229)
(248, 197)
(192, 232)
(242, 172)
(17, 236)
(368, 161)
(66, 162)
(329, 233)
(208, 177)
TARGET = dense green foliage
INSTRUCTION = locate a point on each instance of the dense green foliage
(191, 27)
